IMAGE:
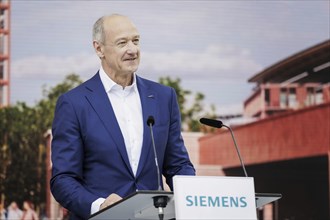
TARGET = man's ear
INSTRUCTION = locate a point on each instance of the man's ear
(98, 49)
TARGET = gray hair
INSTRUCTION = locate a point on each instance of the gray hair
(99, 34)
(98, 30)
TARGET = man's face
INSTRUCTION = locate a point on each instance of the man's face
(121, 47)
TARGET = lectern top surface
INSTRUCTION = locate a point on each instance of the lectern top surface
(138, 205)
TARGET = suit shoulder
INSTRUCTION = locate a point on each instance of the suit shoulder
(76, 96)
(80, 89)
(154, 85)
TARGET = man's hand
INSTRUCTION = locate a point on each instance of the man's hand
(110, 200)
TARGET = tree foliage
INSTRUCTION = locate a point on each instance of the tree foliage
(191, 109)
(20, 140)
(23, 148)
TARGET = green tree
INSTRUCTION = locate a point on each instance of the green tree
(23, 148)
(21, 179)
(190, 112)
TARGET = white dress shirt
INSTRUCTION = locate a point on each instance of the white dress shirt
(126, 105)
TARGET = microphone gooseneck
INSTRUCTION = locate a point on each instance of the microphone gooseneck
(237, 149)
(150, 123)
(160, 202)
(218, 124)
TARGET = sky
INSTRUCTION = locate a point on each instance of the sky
(214, 47)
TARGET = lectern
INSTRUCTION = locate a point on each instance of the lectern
(139, 205)
(194, 198)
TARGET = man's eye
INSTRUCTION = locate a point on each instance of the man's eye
(136, 41)
(121, 43)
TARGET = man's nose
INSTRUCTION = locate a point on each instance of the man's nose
(132, 48)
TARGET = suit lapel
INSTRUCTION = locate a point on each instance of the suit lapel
(148, 102)
(99, 100)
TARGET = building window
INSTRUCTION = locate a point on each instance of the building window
(314, 96)
(283, 98)
(319, 96)
(292, 98)
(288, 98)
(267, 97)
(310, 97)
(1, 71)
(2, 44)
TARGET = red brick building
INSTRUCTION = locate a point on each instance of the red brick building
(287, 149)
(299, 81)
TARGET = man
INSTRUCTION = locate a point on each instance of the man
(102, 147)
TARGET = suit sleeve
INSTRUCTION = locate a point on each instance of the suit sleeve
(67, 183)
(176, 161)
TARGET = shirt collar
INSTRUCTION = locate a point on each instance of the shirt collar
(109, 84)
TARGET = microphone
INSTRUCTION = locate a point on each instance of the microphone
(160, 202)
(150, 123)
(218, 124)
(211, 122)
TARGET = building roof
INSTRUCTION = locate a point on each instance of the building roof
(310, 65)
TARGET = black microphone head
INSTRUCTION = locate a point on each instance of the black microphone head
(150, 120)
(211, 122)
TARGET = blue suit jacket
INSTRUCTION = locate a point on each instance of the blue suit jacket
(88, 150)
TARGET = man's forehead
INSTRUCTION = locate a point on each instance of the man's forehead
(119, 27)
(123, 34)
(116, 22)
